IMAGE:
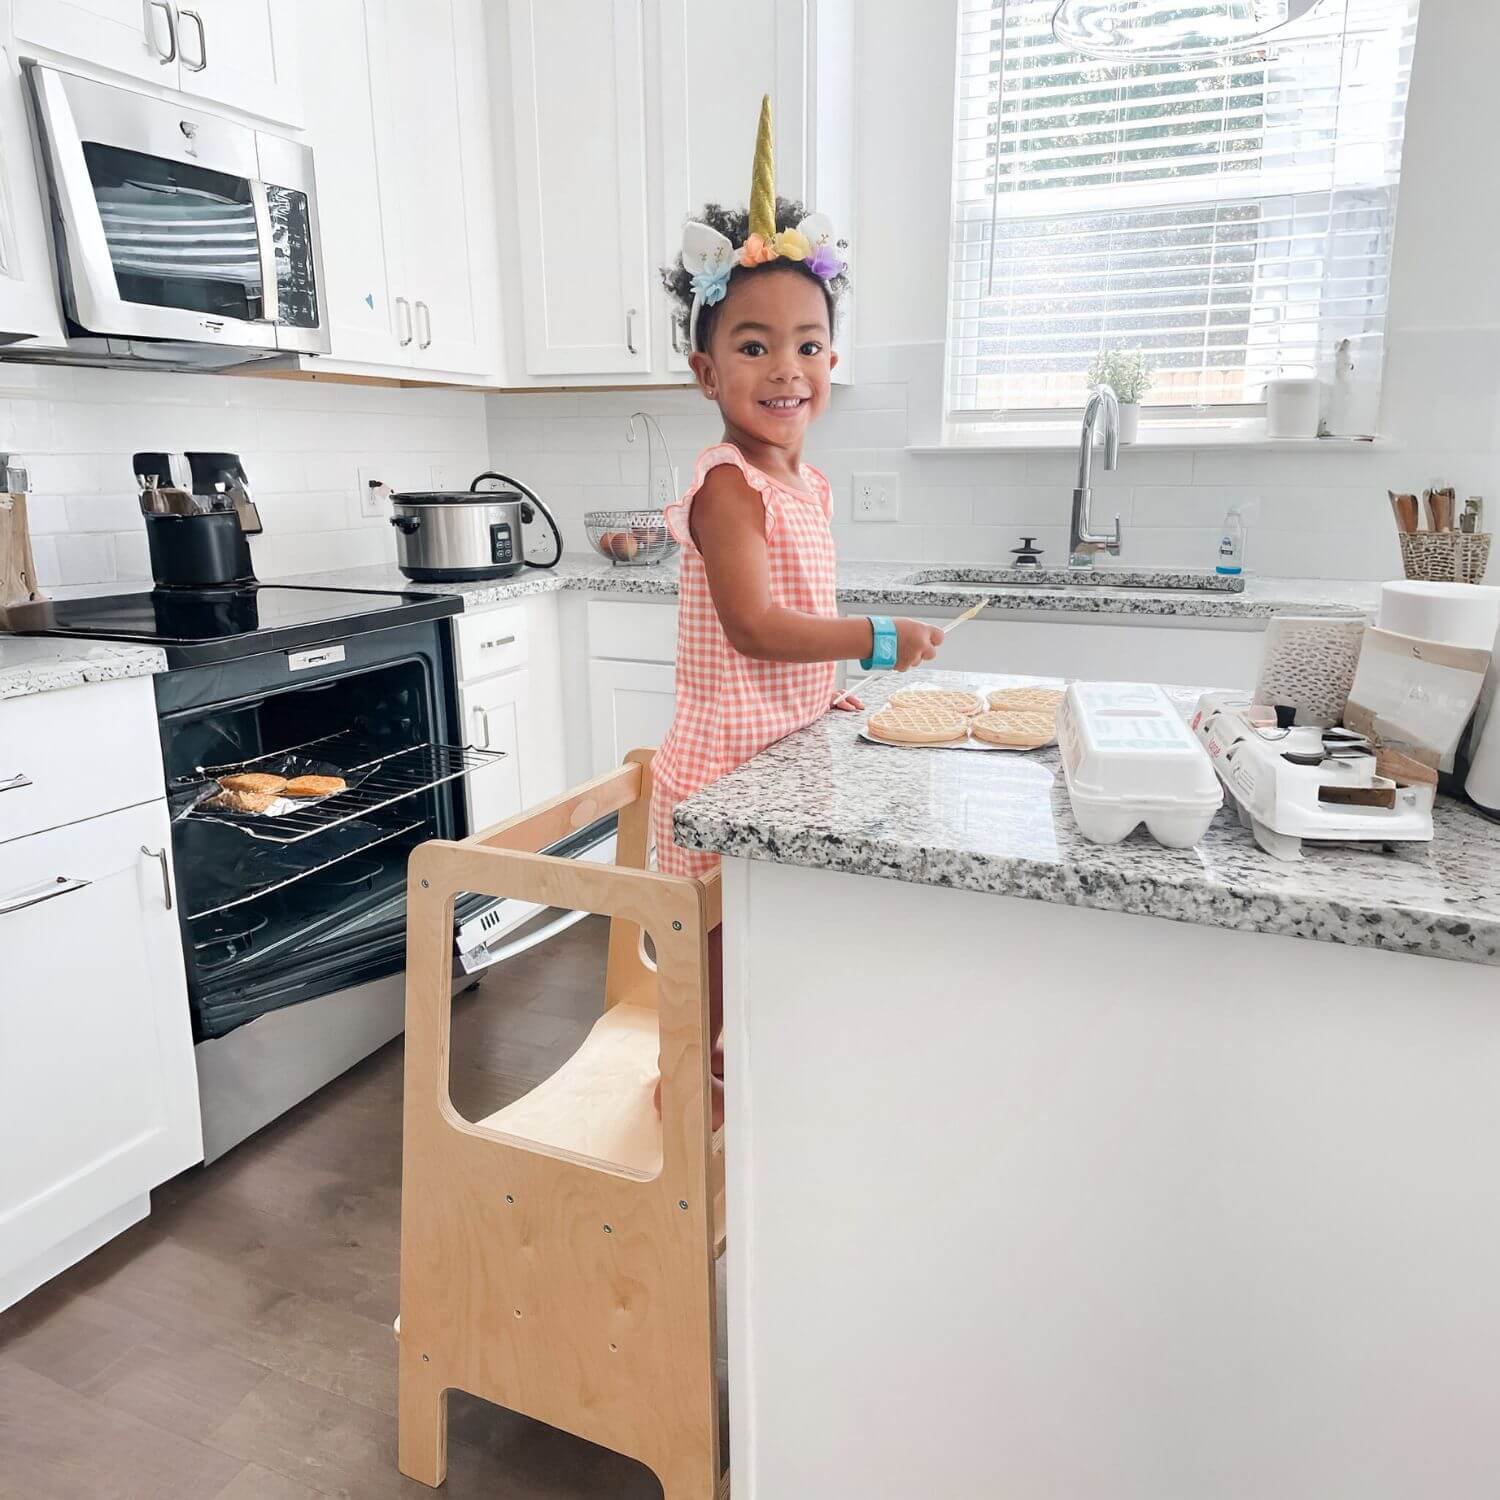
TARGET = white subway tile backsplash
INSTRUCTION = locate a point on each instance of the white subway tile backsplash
(84, 558)
(118, 512)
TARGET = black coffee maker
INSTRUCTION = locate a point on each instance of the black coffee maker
(199, 516)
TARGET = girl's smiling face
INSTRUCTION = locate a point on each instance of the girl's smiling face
(769, 357)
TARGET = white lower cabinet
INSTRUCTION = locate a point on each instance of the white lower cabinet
(630, 706)
(98, 1092)
(497, 716)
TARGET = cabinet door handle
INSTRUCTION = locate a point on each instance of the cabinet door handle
(166, 879)
(202, 62)
(170, 55)
(403, 312)
(15, 783)
(424, 324)
(630, 330)
(500, 640)
(483, 715)
(60, 887)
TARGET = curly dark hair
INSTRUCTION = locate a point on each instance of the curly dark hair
(734, 225)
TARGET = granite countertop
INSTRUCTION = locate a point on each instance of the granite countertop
(1002, 823)
(37, 664)
(882, 583)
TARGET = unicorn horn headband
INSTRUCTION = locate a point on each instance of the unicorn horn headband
(710, 259)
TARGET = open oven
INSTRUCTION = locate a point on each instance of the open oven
(276, 910)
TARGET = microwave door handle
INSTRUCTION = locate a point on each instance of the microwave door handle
(271, 292)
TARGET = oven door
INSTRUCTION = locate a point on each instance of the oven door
(163, 225)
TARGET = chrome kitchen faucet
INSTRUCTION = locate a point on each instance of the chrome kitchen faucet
(1084, 545)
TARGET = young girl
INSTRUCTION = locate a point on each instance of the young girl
(759, 633)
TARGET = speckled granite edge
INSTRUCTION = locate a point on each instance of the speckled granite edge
(883, 584)
(820, 799)
(1357, 924)
(31, 664)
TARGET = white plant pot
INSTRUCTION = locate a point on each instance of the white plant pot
(1130, 421)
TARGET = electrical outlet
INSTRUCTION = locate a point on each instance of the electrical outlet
(374, 495)
(877, 497)
(664, 491)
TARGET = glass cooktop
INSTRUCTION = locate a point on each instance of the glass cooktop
(196, 626)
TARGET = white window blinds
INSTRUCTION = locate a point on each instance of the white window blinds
(1229, 217)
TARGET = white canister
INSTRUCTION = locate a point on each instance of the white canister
(1293, 407)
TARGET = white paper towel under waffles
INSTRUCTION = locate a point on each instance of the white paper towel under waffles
(1312, 783)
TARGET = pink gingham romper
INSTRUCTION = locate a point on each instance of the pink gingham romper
(730, 707)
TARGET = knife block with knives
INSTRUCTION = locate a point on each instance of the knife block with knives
(18, 582)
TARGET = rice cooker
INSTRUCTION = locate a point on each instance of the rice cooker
(462, 536)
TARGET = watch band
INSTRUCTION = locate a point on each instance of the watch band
(882, 655)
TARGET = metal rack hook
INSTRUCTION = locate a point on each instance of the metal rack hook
(651, 422)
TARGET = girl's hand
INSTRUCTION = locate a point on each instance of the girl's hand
(915, 643)
(850, 705)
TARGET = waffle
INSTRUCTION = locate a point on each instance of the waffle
(968, 704)
(1040, 700)
(1018, 728)
(917, 725)
(252, 781)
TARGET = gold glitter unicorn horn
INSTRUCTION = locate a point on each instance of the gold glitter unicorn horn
(763, 177)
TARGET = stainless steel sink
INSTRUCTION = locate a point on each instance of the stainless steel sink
(1153, 580)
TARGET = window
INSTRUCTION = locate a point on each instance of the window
(1229, 217)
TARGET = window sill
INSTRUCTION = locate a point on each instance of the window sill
(1052, 437)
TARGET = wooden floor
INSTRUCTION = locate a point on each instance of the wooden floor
(236, 1345)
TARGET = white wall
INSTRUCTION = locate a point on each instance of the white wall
(303, 445)
(1322, 514)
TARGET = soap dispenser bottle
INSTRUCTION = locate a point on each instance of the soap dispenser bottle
(1232, 543)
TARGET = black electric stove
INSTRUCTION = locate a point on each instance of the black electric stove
(199, 627)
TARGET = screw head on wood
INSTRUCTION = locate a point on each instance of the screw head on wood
(424, 885)
(682, 1204)
(608, 1229)
(509, 1198)
(676, 926)
(425, 1359)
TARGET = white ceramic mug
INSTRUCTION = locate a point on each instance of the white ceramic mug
(1293, 407)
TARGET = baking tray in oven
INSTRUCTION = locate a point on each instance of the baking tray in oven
(375, 781)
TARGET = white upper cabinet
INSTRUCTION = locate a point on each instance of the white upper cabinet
(578, 92)
(138, 37)
(400, 129)
(619, 107)
(239, 53)
(242, 53)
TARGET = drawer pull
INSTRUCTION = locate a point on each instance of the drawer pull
(60, 887)
(166, 880)
(15, 783)
(504, 640)
(483, 715)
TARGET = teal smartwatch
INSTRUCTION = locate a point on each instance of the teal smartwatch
(882, 655)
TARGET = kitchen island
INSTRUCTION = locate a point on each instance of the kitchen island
(1063, 1169)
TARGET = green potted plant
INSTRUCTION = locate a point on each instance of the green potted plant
(1127, 373)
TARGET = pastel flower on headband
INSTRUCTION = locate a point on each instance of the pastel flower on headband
(709, 286)
(757, 250)
(824, 262)
(792, 244)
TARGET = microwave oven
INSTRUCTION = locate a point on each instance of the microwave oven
(182, 239)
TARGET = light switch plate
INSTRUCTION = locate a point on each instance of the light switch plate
(877, 497)
(374, 495)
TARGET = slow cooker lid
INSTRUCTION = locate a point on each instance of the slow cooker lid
(454, 497)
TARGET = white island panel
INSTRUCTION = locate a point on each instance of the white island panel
(1037, 1200)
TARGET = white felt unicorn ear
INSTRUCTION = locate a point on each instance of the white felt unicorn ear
(819, 230)
(704, 250)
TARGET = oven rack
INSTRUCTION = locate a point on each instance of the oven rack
(292, 877)
(385, 780)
